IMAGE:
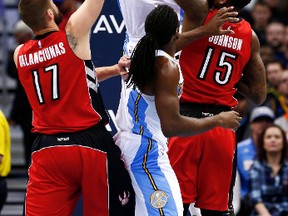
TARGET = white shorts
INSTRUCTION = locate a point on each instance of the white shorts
(156, 187)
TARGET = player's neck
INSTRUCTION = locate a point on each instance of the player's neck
(46, 30)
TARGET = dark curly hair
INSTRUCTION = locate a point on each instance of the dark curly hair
(160, 25)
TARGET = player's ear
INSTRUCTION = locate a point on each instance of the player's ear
(50, 13)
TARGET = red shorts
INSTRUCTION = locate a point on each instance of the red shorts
(87, 162)
(203, 165)
(55, 176)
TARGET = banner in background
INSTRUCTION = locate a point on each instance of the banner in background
(107, 37)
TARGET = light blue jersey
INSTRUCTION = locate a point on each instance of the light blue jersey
(246, 152)
(134, 13)
(144, 151)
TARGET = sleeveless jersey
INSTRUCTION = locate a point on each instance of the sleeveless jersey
(213, 65)
(61, 88)
(134, 13)
(137, 112)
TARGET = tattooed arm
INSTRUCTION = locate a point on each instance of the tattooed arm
(79, 25)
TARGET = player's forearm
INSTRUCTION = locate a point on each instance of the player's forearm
(254, 91)
(107, 72)
(187, 37)
(187, 126)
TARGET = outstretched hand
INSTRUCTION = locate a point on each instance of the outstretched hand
(124, 64)
(223, 15)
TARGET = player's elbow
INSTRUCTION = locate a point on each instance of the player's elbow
(259, 97)
(260, 100)
(168, 130)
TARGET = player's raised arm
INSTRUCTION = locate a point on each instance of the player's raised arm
(79, 25)
(194, 10)
(213, 27)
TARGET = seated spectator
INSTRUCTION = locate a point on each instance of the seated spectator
(274, 34)
(260, 118)
(277, 12)
(284, 55)
(274, 71)
(282, 121)
(267, 54)
(261, 16)
(268, 176)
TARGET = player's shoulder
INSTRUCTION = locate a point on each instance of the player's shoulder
(16, 51)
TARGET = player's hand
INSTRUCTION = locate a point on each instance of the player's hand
(223, 15)
(124, 64)
(230, 119)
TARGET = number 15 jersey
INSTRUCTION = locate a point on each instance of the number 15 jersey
(213, 65)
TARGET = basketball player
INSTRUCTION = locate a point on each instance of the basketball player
(73, 152)
(149, 112)
(220, 66)
(135, 12)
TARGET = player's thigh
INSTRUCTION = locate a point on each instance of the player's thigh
(154, 181)
(215, 169)
(54, 181)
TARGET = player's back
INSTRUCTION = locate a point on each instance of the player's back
(213, 65)
(62, 89)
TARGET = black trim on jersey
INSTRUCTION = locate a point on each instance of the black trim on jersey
(96, 97)
(89, 64)
(198, 110)
(39, 37)
(95, 137)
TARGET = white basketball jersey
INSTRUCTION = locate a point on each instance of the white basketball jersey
(137, 112)
(134, 13)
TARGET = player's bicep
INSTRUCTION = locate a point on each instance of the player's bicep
(79, 26)
(15, 55)
(253, 83)
(166, 98)
(81, 21)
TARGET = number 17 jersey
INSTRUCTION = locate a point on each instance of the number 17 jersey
(213, 65)
(61, 88)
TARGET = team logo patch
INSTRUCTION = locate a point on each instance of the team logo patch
(158, 199)
(124, 198)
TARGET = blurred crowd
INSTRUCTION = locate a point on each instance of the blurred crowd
(269, 20)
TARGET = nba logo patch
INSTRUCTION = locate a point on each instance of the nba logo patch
(39, 44)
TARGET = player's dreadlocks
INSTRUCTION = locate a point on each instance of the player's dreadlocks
(160, 25)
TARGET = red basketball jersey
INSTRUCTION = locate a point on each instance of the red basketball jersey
(62, 89)
(213, 65)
